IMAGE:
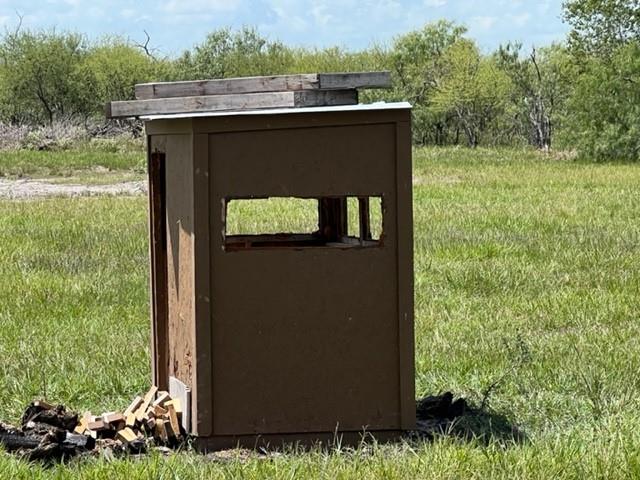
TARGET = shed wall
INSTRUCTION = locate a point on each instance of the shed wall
(287, 341)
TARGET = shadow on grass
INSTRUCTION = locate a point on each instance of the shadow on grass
(441, 415)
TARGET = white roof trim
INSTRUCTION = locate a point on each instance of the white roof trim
(272, 111)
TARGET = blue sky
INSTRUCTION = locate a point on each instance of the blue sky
(175, 25)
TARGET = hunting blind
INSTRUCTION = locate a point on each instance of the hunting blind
(281, 335)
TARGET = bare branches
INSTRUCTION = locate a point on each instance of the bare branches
(534, 61)
(19, 26)
(145, 46)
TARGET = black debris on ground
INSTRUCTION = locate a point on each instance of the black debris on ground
(441, 407)
(436, 414)
(46, 433)
(444, 415)
(50, 433)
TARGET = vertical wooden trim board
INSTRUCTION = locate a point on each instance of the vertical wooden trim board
(404, 216)
(158, 254)
(202, 388)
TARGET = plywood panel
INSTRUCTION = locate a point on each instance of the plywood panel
(317, 161)
(305, 340)
(180, 257)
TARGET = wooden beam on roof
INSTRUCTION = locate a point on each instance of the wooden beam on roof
(235, 102)
(341, 81)
(228, 86)
(277, 83)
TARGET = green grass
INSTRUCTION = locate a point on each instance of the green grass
(527, 274)
(30, 163)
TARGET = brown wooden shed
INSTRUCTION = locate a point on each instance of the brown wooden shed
(290, 336)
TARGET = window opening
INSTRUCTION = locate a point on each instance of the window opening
(273, 222)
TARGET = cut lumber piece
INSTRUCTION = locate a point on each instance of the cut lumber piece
(159, 410)
(82, 423)
(151, 424)
(96, 424)
(131, 420)
(171, 433)
(176, 404)
(113, 418)
(343, 81)
(181, 392)
(126, 436)
(162, 398)
(235, 102)
(148, 398)
(148, 416)
(161, 430)
(133, 406)
(277, 83)
(173, 421)
(226, 86)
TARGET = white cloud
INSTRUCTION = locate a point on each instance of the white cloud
(483, 22)
(519, 20)
(383, 10)
(320, 15)
(193, 7)
(435, 3)
(127, 13)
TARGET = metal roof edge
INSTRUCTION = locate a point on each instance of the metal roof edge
(277, 111)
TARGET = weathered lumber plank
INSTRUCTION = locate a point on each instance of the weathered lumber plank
(277, 83)
(214, 103)
(317, 98)
(345, 81)
(200, 104)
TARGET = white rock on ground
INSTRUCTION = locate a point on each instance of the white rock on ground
(25, 189)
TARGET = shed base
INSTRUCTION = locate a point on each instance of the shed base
(301, 440)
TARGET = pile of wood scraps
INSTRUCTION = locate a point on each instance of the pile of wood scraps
(248, 93)
(49, 432)
(156, 415)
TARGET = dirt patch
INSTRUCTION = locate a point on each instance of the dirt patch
(28, 189)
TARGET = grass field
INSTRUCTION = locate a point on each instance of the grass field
(81, 161)
(527, 276)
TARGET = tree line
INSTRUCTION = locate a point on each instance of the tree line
(582, 94)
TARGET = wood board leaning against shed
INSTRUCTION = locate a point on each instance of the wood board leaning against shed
(250, 93)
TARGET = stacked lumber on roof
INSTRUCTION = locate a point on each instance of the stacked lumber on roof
(249, 93)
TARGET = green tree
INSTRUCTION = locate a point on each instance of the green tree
(600, 26)
(603, 114)
(473, 88)
(542, 83)
(605, 104)
(418, 64)
(113, 67)
(225, 53)
(42, 76)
